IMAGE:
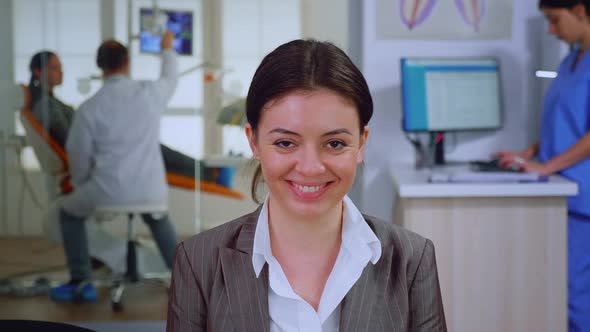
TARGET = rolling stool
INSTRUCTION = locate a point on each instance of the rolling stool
(131, 275)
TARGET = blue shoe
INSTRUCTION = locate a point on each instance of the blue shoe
(83, 292)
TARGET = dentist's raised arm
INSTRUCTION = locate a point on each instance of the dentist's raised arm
(164, 87)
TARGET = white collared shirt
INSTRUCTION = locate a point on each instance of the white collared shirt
(288, 311)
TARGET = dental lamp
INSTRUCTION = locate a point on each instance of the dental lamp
(233, 114)
(234, 111)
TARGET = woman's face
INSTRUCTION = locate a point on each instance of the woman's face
(52, 72)
(309, 146)
(566, 24)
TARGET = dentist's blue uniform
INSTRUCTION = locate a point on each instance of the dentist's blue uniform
(566, 119)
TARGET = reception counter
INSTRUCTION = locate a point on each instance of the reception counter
(501, 248)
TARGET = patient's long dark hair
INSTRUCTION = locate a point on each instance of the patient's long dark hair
(39, 62)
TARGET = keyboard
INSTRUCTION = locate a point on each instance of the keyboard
(492, 165)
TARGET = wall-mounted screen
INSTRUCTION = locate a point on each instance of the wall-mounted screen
(153, 26)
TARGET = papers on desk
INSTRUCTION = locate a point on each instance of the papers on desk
(485, 177)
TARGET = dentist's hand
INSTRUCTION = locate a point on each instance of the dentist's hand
(167, 40)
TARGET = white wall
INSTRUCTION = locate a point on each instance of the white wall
(387, 144)
(315, 25)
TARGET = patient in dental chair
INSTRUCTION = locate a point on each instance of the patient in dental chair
(56, 116)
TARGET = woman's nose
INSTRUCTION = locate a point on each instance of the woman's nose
(309, 162)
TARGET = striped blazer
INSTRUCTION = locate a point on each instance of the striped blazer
(214, 287)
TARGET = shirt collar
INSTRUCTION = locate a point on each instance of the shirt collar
(357, 237)
(115, 77)
(261, 248)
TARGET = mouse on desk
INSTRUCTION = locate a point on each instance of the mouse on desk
(492, 165)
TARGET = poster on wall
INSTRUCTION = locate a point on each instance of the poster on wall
(444, 19)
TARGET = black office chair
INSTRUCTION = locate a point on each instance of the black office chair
(39, 326)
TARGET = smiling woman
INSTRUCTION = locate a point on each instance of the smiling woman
(307, 259)
(309, 145)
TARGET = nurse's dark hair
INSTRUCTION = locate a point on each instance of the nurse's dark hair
(111, 55)
(38, 62)
(567, 4)
(306, 65)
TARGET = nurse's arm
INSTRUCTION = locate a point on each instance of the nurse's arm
(531, 151)
(573, 155)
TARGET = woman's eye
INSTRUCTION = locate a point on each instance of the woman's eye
(284, 144)
(336, 145)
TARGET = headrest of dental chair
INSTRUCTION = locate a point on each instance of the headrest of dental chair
(26, 94)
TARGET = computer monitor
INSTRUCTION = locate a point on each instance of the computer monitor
(153, 26)
(450, 94)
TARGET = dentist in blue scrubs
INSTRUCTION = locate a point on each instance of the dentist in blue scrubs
(564, 144)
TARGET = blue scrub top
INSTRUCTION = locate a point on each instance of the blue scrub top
(566, 119)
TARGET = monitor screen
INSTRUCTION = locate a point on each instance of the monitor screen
(447, 94)
(152, 26)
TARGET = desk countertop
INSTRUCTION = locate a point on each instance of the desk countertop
(412, 183)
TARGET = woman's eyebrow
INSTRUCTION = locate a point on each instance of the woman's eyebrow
(283, 131)
(330, 133)
(338, 131)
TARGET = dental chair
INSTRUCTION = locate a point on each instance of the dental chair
(128, 261)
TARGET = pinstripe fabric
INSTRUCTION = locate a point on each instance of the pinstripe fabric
(214, 287)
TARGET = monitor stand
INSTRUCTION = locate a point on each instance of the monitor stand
(437, 139)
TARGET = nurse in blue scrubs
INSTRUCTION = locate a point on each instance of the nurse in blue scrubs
(564, 145)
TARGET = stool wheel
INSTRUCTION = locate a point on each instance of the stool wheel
(117, 306)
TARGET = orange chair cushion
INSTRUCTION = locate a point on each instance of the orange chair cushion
(188, 183)
(66, 186)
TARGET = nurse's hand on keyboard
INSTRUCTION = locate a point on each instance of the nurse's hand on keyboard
(510, 160)
(492, 165)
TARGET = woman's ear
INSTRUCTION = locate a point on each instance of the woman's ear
(251, 140)
(36, 73)
(362, 144)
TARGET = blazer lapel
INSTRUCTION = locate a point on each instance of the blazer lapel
(247, 295)
(364, 305)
